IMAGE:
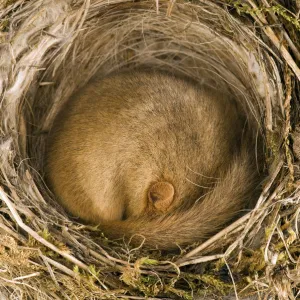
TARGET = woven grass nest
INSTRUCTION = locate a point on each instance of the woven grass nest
(49, 49)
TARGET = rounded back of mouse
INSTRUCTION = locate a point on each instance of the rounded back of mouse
(139, 143)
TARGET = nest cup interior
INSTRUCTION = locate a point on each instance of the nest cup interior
(200, 41)
(124, 37)
(112, 38)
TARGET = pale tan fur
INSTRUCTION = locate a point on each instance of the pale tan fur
(146, 153)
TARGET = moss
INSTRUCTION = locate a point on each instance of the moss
(148, 284)
(7, 3)
(94, 271)
(273, 142)
(181, 293)
(254, 262)
(209, 283)
(242, 7)
(45, 234)
(285, 14)
(4, 24)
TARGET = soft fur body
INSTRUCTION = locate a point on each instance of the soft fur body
(125, 141)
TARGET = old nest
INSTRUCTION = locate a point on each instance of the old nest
(51, 48)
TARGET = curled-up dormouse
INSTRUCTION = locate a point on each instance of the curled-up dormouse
(153, 155)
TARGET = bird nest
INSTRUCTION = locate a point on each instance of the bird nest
(49, 49)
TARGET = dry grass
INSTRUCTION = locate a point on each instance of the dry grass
(48, 49)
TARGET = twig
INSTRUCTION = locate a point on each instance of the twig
(254, 215)
(269, 239)
(157, 6)
(215, 238)
(269, 184)
(170, 7)
(285, 34)
(287, 108)
(36, 236)
(49, 269)
(297, 219)
(11, 232)
(73, 240)
(109, 259)
(27, 276)
(285, 244)
(59, 266)
(18, 282)
(69, 257)
(34, 187)
(232, 279)
(66, 270)
(259, 18)
(268, 101)
(200, 260)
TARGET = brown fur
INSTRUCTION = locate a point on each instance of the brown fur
(148, 154)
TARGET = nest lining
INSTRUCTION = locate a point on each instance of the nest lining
(51, 48)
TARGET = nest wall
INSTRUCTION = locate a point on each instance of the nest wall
(50, 49)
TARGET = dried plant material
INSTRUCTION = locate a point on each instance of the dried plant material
(49, 49)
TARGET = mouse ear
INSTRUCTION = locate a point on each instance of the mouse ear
(161, 194)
